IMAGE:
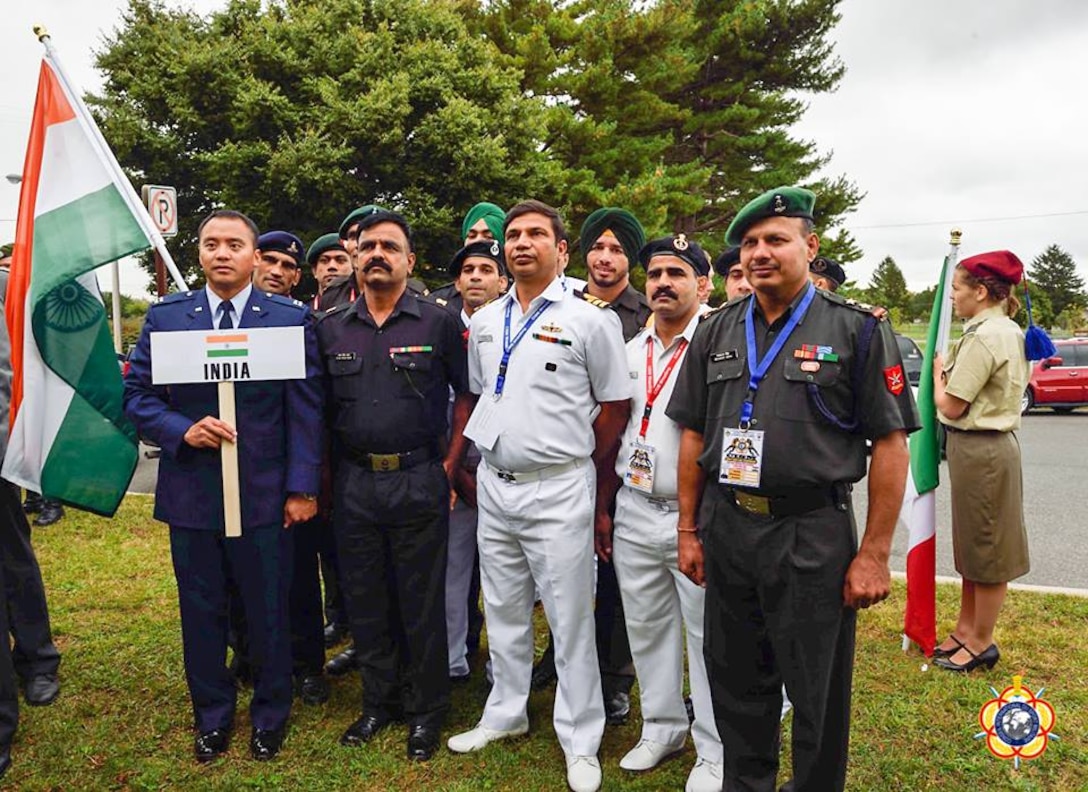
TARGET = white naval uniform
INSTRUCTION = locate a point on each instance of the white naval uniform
(537, 535)
(656, 594)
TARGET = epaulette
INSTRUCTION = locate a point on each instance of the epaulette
(589, 298)
(290, 302)
(175, 297)
(727, 305)
(323, 315)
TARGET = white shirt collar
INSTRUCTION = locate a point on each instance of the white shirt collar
(687, 333)
(238, 303)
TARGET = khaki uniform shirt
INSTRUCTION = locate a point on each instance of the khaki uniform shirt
(801, 448)
(987, 368)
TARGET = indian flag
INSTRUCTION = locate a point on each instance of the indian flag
(68, 436)
(232, 345)
(919, 512)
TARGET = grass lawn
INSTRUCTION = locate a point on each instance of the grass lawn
(122, 720)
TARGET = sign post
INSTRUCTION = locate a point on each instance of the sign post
(226, 357)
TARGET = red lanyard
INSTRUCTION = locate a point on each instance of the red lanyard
(653, 390)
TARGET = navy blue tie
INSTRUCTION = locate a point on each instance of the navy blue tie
(227, 308)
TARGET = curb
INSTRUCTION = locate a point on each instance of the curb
(1067, 591)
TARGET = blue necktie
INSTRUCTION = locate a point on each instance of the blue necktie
(227, 309)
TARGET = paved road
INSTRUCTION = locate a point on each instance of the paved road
(1055, 454)
(1055, 449)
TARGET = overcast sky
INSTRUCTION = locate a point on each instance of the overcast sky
(966, 113)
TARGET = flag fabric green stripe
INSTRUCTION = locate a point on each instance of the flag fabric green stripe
(222, 353)
(80, 236)
(925, 447)
(97, 484)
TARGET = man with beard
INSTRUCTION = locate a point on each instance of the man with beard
(660, 603)
(390, 360)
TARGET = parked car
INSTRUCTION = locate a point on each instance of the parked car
(1060, 382)
(912, 359)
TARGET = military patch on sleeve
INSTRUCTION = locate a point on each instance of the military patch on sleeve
(894, 379)
(589, 298)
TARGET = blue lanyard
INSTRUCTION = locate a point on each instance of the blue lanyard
(756, 373)
(508, 345)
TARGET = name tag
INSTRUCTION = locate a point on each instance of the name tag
(742, 457)
(484, 425)
(641, 466)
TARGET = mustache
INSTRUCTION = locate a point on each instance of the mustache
(665, 291)
(375, 263)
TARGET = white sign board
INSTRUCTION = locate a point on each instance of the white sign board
(238, 355)
(162, 205)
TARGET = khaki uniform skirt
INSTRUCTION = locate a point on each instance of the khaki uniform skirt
(989, 539)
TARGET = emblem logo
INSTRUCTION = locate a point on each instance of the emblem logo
(293, 248)
(494, 248)
(779, 204)
(893, 378)
(681, 242)
(1016, 723)
(818, 265)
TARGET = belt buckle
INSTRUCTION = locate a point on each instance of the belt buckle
(506, 476)
(753, 504)
(384, 463)
(661, 504)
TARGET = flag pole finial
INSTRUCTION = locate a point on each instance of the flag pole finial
(956, 236)
(41, 32)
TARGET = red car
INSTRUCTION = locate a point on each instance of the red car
(1060, 382)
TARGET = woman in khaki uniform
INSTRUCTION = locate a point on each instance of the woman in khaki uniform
(977, 393)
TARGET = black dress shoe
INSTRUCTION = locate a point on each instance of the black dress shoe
(313, 689)
(617, 706)
(988, 657)
(422, 742)
(364, 730)
(939, 652)
(460, 679)
(266, 743)
(544, 673)
(334, 634)
(343, 663)
(211, 745)
(41, 689)
(52, 512)
(33, 503)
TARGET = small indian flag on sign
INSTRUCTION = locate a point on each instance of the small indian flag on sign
(232, 345)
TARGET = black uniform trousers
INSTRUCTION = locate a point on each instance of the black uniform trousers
(335, 610)
(27, 613)
(774, 614)
(392, 530)
(259, 562)
(9, 690)
(307, 620)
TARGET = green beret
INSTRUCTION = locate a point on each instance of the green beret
(779, 202)
(356, 216)
(623, 224)
(323, 244)
(679, 246)
(491, 214)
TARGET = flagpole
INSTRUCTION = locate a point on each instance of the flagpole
(105, 154)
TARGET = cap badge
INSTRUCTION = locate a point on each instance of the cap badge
(494, 248)
(779, 204)
(681, 242)
(818, 265)
(292, 248)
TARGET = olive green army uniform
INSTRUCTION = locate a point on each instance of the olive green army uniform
(774, 604)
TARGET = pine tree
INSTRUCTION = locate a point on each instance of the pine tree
(1055, 273)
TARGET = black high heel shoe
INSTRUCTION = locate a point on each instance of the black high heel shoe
(987, 657)
(938, 652)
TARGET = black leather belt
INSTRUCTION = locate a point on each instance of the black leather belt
(388, 463)
(787, 503)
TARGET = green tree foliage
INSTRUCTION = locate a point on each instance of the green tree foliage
(889, 288)
(299, 110)
(1054, 273)
(296, 111)
(1042, 310)
(920, 305)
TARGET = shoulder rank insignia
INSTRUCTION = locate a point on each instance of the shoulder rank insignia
(589, 298)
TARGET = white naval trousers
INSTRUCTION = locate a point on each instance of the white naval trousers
(658, 601)
(460, 559)
(538, 536)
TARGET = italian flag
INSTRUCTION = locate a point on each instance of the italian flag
(68, 436)
(919, 512)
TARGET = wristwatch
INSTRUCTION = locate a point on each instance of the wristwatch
(310, 496)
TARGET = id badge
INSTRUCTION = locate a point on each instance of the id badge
(742, 457)
(484, 425)
(641, 464)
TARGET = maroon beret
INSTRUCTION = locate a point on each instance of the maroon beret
(1000, 264)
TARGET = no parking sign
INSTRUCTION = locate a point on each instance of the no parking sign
(162, 205)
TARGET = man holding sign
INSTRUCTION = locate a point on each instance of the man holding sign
(278, 445)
